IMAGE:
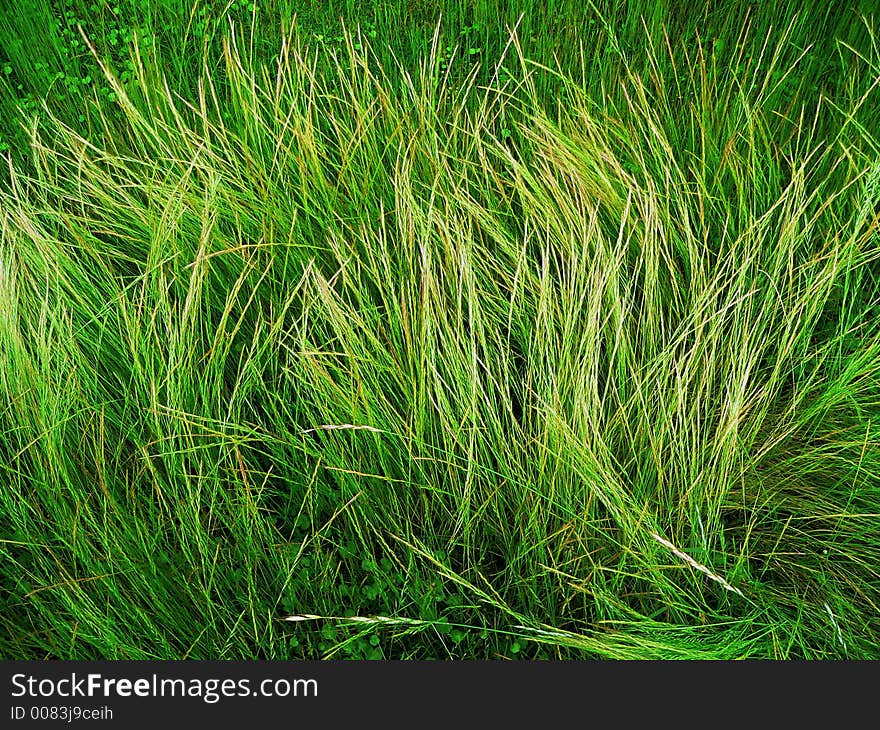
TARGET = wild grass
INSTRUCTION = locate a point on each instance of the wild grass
(334, 353)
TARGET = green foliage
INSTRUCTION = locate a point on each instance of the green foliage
(347, 330)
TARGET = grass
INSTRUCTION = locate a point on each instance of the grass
(323, 339)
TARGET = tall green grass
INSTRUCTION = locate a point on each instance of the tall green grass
(452, 354)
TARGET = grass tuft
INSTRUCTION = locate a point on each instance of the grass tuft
(313, 345)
